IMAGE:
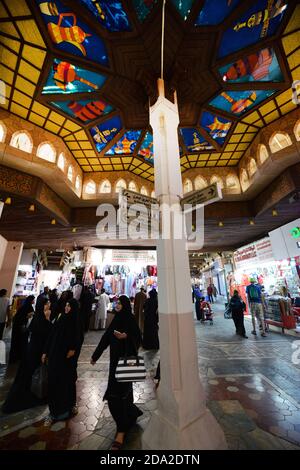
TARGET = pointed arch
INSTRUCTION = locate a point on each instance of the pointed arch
(187, 186)
(22, 140)
(262, 154)
(232, 182)
(200, 183)
(132, 186)
(2, 132)
(47, 152)
(105, 187)
(153, 194)
(121, 184)
(70, 173)
(244, 179)
(144, 191)
(252, 167)
(78, 182)
(279, 141)
(217, 179)
(296, 130)
(90, 187)
(61, 161)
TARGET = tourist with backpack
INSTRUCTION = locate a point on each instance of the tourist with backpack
(256, 307)
(237, 307)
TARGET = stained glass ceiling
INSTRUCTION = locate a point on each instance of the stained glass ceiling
(85, 70)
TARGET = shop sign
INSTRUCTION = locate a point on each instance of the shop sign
(147, 207)
(203, 197)
(285, 240)
(126, 256)
(255, 253)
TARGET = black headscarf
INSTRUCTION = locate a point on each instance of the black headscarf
(20, 317)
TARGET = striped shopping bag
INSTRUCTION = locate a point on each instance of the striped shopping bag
(130, 369)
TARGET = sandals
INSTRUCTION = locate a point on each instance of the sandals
(116, 445)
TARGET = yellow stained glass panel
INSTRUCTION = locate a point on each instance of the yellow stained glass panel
(50, 126)
(81, 135)
(28, 72)
(87, 168)
(30, 32)
(271, 117)
(64, 133)
(284, 97)
(115, 161)
(18, 8)
(240, 129)
(296, 74)
(8, 58)
(235, 139)
(93, 161)
(126, 166)
(34, 55)
(203, 157)
(210, 163)
(267, 108)
(291, 42)
(25, 86)
(118, 167)
(78, 153)
(193, 158)
(226, 156)
(90, 153)
(85, 145)
(9, 28)
(183, 159)
(73, 145)
(36, 119)
(40, 109)
(137, 171)
(286, 108)
(200, 164)
(222, 163)
(82, 161)
(233, 162)
(294, 59)
(230, 147)
(151, 170)
(97, 168)
(6, 74)
(136, 162)
(22, 99)
(11, 43)
(126, 160)
(214, 156)
(107, 167)
(56, 118)
(252, 118)
(3, 12)
(71, 126)
(19, 110)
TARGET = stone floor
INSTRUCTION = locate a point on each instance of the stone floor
(252, 388)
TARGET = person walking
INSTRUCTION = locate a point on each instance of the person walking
(150, 333)
(215, 292)
(61, 355)
(20, 396)
(19, 335)
(237, 307)
(101, 312)
(4, 310)
(86, 303)
(139, 301)
(253, 292)
(40, 301)
(198, 297)
(210, 293)
(124, 338)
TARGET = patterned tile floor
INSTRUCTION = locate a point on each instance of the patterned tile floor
(251, 385)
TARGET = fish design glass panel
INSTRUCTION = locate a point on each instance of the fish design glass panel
(66, 78)
(216, 126)
(109, 13)
(239, 102)
(214, 12)
(261, 66)
(105, 132)
(126, 144)
(143, 8)
(146, 149)
(194, 141)
(183, 7)
(84, 111)
(260, 21)
(69, 34)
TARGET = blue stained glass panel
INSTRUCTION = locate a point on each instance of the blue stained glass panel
(70, 34)
(146, 149)
(143, 8)
(214, 12)
(260, 21)
(239, 102)
(261, 66)
(216, 126)
(110, 13)
(105, 132)
(183, 7)
(84, 111)
(126, 144)
(194, 141)
(66, 78)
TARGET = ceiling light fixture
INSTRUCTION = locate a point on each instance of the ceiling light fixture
(53, 222)
(74, 230)
(274, 213)
(221, 224)
(251, 222)
(7, 201)
(31, 208)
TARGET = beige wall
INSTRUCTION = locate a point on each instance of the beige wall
(10, 264)
(3, 245)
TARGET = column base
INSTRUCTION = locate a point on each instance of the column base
(202, 434)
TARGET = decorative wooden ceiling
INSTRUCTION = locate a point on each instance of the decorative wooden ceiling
(86, 70)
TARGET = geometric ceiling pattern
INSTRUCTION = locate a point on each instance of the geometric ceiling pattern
(86, 70)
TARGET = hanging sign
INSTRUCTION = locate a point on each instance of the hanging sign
(203, 197)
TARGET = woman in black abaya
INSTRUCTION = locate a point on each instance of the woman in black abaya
(19, 335)
(150, 335)
(19, 396)
(61, 354)
(124, 337)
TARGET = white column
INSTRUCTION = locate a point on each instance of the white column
(182, 420)
(9, 267)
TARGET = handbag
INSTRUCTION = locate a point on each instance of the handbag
(130, 369)
(39, 382)
(228, 313)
